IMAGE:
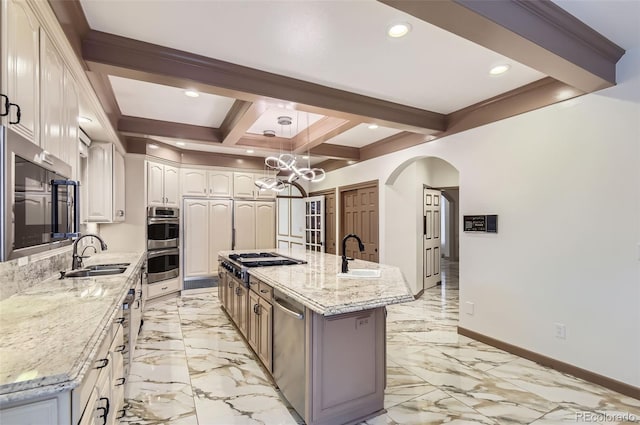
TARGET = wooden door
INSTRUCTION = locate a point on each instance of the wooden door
(242, 303)
(431, 237)
(171, 186)
(265, 344)
(155, 191)
(360, 216)
(330, 223)
(253, 330)
(265, 225)
(21, 81)
(196, 237)
(220, 230)
(244, 217)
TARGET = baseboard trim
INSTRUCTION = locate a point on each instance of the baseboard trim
(612, 384)
(419, 294)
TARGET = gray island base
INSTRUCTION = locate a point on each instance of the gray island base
(321, 336)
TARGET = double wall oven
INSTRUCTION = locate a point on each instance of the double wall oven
(163, 237)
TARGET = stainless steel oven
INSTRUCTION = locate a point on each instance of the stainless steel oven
(39, 206)
(163, 227)
(163, 264)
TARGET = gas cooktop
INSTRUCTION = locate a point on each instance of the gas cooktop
(263, 259)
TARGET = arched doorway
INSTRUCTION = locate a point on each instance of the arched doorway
(409, 221)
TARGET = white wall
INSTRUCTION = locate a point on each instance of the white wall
(564, 252)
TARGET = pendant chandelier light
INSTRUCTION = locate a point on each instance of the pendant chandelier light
(287, 162)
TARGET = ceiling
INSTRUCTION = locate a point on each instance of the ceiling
(332, 71)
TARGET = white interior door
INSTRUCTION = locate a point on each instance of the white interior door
(431, 237)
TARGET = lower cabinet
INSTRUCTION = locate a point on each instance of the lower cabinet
(164, 287)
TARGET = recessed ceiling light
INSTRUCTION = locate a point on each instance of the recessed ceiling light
(180, 143)
(351, 162)
(249, 150)
(84, 120)
(399, 30)
(373, 126)
(499, 69)
(152, 146)
(305, 157)
(191, 93)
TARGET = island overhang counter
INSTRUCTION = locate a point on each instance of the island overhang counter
(321, 335)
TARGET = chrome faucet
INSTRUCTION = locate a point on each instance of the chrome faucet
(345, 259)
(76, 262)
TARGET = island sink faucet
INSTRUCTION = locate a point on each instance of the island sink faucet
(76, 262)
(345, 259)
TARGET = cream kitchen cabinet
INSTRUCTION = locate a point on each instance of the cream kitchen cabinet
(51, 97)
(71, 131)
(207, 230)
(163, 187)
(106, 184)
(206, 183)
(260, 321)
(20, 35)
(254, 225)
(244, 186)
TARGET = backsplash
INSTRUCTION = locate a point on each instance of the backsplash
(15, 278)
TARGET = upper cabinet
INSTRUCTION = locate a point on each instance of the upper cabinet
(244, 186)
(163, 185)
(51, 97)
(106, 184)
(21, 59)
(207, 183)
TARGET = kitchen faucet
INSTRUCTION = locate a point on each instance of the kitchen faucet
(345, 260)
(76, 262)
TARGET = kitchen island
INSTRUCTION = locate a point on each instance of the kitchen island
(319, 333)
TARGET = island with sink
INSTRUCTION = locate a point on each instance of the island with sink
(317, 326)
(63, 344)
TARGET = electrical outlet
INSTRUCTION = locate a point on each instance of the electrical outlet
(469, 308)
(561, 330)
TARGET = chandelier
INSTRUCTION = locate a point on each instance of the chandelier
(287, 162)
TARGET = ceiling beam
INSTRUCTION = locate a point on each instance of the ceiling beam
(239, 119)
(393, 143)
(337, 152)
(536, 33)
(319, 132)
(129, 58)
(144, 126)
(267, 143)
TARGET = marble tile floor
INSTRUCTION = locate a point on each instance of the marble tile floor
(191, 367)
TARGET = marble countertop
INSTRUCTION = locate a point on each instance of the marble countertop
(318, 286)
(50, 333)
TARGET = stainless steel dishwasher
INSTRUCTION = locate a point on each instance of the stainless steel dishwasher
(289, 349)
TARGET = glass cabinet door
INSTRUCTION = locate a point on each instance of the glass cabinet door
(314, 223)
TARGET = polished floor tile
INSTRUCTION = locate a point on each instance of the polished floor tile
(192, 367)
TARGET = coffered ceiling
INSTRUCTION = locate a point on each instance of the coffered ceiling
(352, 92)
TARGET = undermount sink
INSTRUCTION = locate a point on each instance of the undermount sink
(362, 273)
(97, 270)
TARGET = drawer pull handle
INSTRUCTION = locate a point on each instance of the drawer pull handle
(120, 348)
(119, 320)
(164, 288)
(18, 114)
(105, 410)
(121, 414)
(256, 308)
(264, 291)
(105, 362)
(6, 105)
(121, 381)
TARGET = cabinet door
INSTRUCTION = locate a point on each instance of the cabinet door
(101, 182)
(220, 230)
(155, 191)
(171, 186)
(242, 302)
(265, 225)
(194, 182)
(21, 82)
(196, 237)
(253, 325)
(104, 414)
(52, 94)
(70, 127)
(41, 412)
(117, 386)
(243, 186)
(264, 194)
(220, 184)
(265, 344)
(245, 224)
(118, 186)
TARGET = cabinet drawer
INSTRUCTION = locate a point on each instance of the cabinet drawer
(265, 291)
(161, 288)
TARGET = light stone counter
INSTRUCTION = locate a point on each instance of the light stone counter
(50, 333)
(318, 286)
